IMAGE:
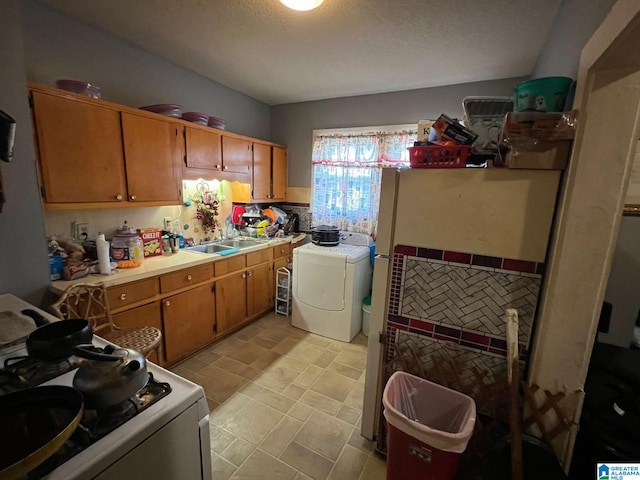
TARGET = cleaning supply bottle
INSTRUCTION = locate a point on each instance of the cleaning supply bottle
(177, 231)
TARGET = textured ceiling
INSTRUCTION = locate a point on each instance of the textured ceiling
(343, 48)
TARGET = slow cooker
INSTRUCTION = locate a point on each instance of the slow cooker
(325, 235)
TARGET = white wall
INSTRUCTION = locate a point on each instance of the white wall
(24, 268)
(575, 23)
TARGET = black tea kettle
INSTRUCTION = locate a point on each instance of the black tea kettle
(109, 376)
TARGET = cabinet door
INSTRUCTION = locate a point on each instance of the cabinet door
(259, 289)
(231, 307)
(236, 155)
(261, 172)
(152, 158)
(189, 321)
(279, 174)
(80, 150)
(144, 316)
(203, 149)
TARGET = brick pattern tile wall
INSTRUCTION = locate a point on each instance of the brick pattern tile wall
(446, 319)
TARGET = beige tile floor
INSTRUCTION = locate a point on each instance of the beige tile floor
(285, 404)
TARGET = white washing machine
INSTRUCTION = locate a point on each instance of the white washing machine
(329, 284)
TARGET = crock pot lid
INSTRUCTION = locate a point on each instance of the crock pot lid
(324, 228)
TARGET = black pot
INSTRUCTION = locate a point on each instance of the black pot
(325, 235)
(56, 340)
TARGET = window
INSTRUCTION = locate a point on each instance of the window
(347, 167)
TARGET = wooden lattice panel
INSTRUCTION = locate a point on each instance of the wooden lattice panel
(550, 426)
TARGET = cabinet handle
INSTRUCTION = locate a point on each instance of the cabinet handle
(244, 275)
(167, 303)
(189, 277)
(249, 274)
(123, 296)
(217, 167)
(133, 197)
(118, 197)
(225, 167)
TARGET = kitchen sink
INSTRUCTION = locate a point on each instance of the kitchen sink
(209, 248)
(238, 243)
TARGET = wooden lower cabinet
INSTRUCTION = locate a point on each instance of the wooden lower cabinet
(144, 316)
(231, 305)
(189, 321)
(259, 289)
(243, 295)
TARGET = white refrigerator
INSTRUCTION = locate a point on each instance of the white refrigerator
(454, 248)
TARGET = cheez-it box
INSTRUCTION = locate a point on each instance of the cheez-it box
(152, 241)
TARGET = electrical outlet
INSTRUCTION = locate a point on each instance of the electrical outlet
(82, 230)
(167, 223)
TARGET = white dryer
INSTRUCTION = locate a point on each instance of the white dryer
(329, 284)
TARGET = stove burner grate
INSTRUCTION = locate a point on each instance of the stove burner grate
(96, 424)
(32, 372)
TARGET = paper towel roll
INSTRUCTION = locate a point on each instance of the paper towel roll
(104, 263)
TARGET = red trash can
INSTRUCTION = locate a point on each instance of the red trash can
(429, 427)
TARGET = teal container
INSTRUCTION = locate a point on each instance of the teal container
(546, 94)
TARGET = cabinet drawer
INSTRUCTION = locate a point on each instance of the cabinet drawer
(281, 250)
(261, 256)
(129, 293)
(229, 265)
(280, 262)
(186, 277)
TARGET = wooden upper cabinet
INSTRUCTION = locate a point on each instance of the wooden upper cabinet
(152, 158)
(269, 173)
(236, 155)
(261, 173)
(279, 174)
(203, 149)
(80, 150)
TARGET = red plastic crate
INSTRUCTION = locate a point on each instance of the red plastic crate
(437, 156)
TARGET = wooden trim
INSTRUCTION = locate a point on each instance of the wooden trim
(116, 204)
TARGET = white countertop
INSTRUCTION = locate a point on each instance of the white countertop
(153, 266)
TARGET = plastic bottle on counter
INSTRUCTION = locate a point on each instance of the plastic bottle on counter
(177, 231)
(104, 262)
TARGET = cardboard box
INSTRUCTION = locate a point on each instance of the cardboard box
(152, 241)
(523, 128)
(424, 126)
(446, 128)
(545, 155)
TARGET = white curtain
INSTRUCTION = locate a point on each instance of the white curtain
(346, 176)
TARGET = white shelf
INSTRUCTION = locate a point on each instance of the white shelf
(283, 291)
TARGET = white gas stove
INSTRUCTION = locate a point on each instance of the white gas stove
(169, 439)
